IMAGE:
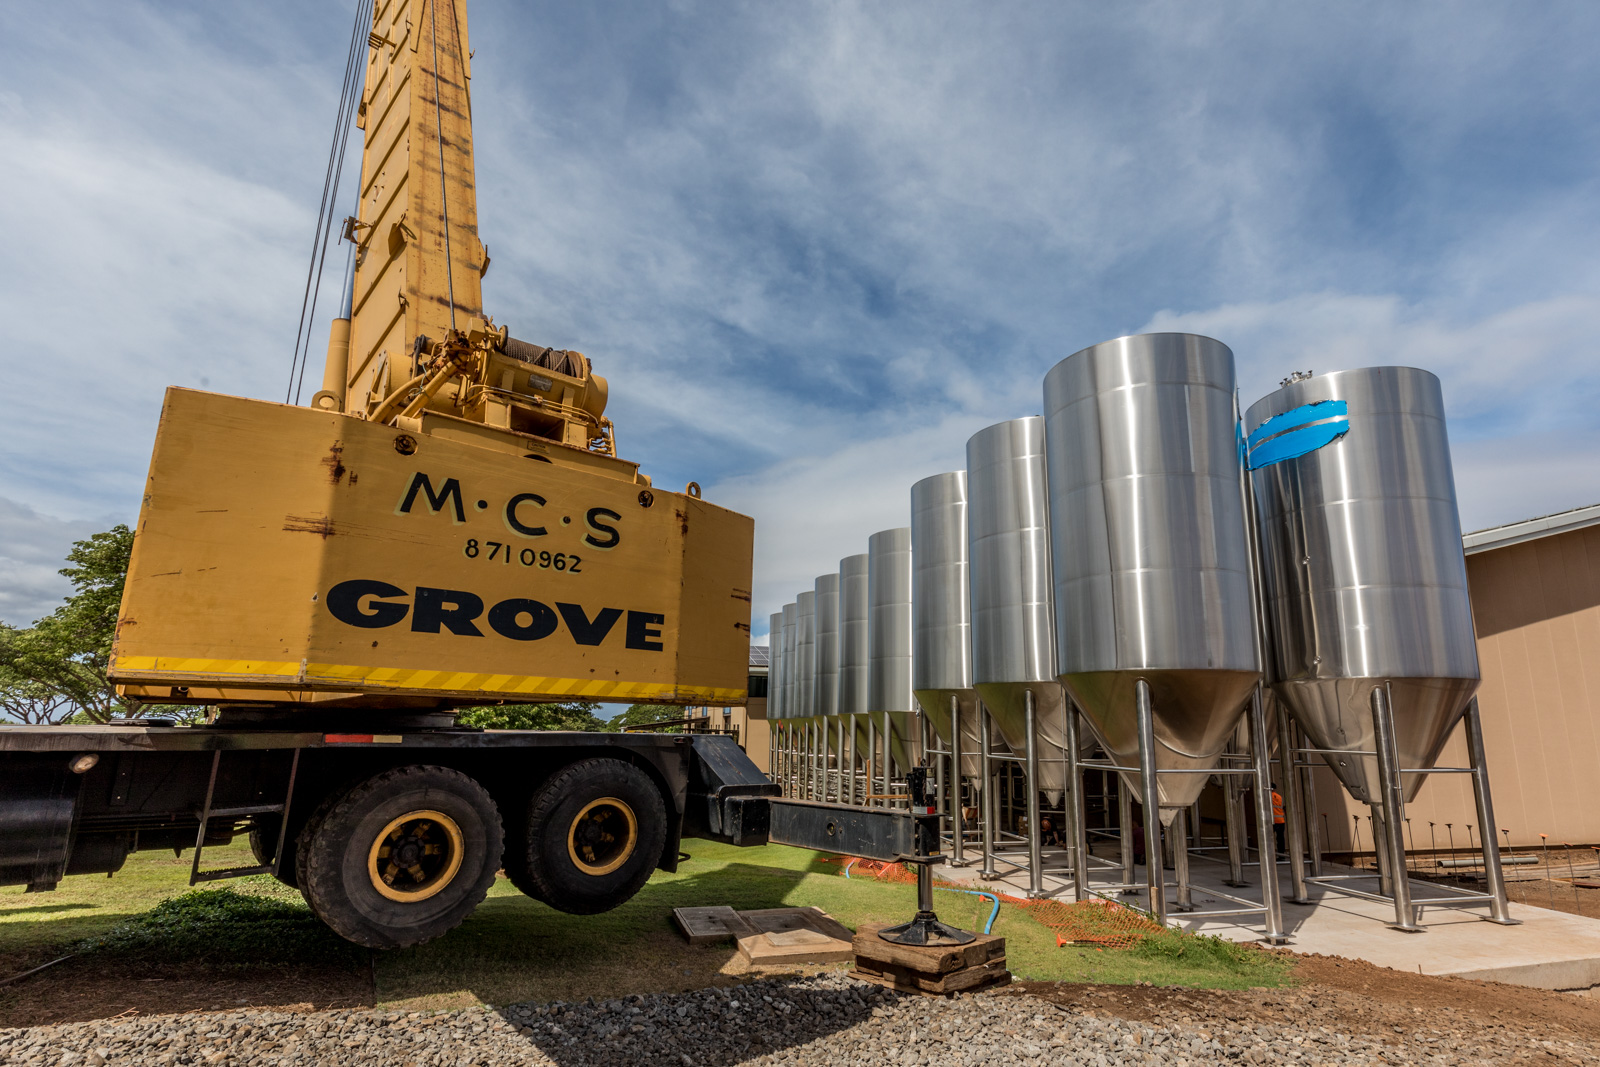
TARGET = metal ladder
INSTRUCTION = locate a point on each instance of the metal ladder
(207, 813)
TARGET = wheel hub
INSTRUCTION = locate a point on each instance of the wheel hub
(603, 836)
(415, 856)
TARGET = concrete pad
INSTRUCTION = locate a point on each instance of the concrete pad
(790, 947)
(705, 926)
(1550, 950)
(783, 937)
(778, 920)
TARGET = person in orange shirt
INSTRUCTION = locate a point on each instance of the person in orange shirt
(1278, 821)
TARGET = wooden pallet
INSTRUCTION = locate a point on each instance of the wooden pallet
(933, 971)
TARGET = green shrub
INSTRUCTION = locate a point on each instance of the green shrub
(224, 926)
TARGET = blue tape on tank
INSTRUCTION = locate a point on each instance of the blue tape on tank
(1298, 443)
(1296, 417)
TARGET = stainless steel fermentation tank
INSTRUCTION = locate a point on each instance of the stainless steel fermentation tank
(854, 668)
(791, 625)
(1013, 640)
(941, 613)
(941, 639)
(826, 589)
(1013, 625)
(779, 743)
(1365, 579)
(1369, 623)
(1151, 556)
(889, 697)
(1156, 632)
(805, 648)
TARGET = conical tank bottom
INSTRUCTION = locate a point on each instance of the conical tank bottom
(902, 738)
(935, 704)
(898, 732)
(1337, 714)
(1195, 713)
(1007, 704)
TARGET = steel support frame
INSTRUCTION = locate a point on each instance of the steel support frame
(1389, 846)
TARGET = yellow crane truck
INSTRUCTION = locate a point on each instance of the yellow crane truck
(446, 524)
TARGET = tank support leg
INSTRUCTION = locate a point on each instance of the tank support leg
(1035, 835)
(1391, 841)
(1380, 854)
(872, 762)
(1499, 910)
(1125, 834)
(1180, 859)
(1077, 809)
(958, 825)
(842, 759)
(819, 743)
(824, 743)
(855, 757)
(1155, 874)
(1293, 814)
(1233, 814)
(1263, 788)
(987, 811)
(1308, 807)
(887, 737)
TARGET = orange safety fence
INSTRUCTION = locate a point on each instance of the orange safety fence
(1100, 923)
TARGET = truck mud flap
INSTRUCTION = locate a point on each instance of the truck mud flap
(37, 800)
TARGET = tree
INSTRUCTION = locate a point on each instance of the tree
(56, 668)
(644, 714)
(565, 715)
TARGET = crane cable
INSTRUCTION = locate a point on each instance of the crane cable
(438, 125)
(349, 98)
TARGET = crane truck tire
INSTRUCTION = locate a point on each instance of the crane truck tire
(402, 857)
(593, 834)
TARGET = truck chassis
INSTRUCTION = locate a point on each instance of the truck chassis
(394, 834)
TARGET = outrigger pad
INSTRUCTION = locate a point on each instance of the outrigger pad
(926, 931)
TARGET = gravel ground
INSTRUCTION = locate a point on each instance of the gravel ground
(826, 1019)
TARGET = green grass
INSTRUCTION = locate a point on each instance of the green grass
(89, 905)
(515, 949)
(223, 926)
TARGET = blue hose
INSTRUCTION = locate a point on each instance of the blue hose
(977, 893)
(993, 914)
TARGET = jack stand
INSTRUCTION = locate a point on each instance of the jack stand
(925, 929)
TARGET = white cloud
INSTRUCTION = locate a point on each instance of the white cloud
(814, 509)
(33, 549)
(1520, 384)
(815, 247)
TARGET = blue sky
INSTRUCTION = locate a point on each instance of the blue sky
(815, 246)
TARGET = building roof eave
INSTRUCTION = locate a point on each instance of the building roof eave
(1531, 529)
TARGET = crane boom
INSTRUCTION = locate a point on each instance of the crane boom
(448, 521)
(418, 346)
(420, 259)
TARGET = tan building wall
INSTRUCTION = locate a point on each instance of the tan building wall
(1536, 607)
(754, 735)
(749, 724)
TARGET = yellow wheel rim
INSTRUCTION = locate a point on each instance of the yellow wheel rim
(415, 856)
(602, 836)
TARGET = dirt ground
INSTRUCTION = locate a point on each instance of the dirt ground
(79, 991)
(1343, 995)
(1556, 896)
(1351, 997)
